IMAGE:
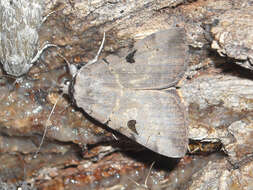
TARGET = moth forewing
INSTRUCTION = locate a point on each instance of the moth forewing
(129, 96)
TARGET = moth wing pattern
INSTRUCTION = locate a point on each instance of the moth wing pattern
(96, 91)
(160, 120)
(154, 118)
(19, 22)
(159, 61)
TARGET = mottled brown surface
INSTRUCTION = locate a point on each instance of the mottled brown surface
(217, 94)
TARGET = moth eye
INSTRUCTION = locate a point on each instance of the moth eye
(65, 86)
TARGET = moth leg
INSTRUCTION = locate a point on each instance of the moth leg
(37, 56)
(98, 53)
(47, 124)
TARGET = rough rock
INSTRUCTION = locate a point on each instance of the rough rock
(219, 175)
(233, 36)
(220, 107)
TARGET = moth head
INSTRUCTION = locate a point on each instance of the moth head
(65, 86)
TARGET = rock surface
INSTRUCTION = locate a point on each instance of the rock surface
(233, 36)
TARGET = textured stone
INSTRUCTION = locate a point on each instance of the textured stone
(219, 109)
(233, 36)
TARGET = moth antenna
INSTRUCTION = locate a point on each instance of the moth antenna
(45, 17)
(45, 46)
(68, 63)
(46, 127)
(72, 68)
(98, 53)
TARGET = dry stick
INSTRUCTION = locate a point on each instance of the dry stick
(46, 127)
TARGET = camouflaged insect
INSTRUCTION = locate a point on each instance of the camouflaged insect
(19, 24)
(134, 94)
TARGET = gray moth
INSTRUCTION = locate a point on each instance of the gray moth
(135, 94)
(19, 24)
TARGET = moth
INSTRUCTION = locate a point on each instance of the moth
(20, 21)
(135, 94)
